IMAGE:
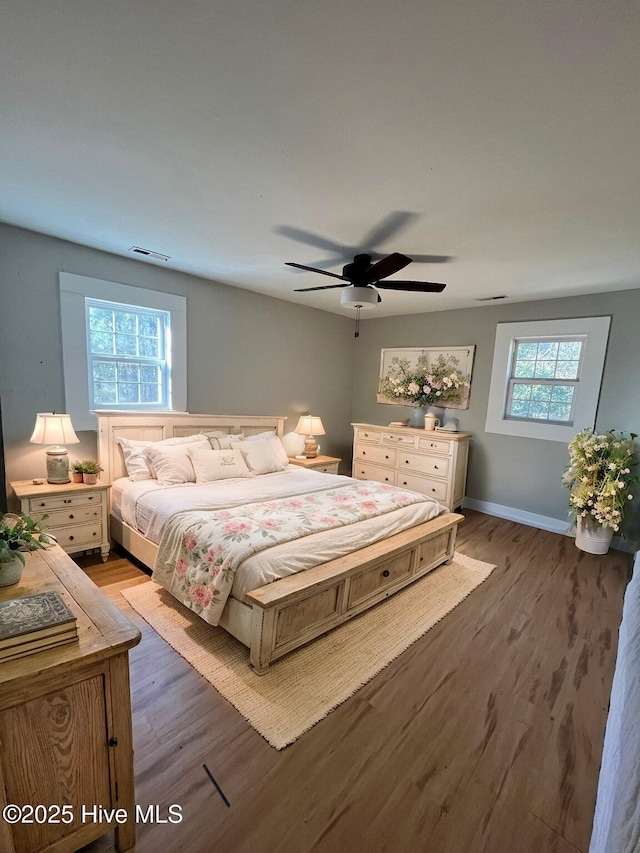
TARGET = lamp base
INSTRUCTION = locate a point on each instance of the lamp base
(57, 465)
(310, 447)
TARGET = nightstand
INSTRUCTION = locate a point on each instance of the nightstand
(326, 464)
(77, 513)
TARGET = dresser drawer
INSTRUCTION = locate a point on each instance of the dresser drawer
(73, 515)
(79, 537)
(436, 466)
(382, 455)
(435, 445)
(381, 577)
(44, 504)
(367, 435)
(398, 440)
(364, 471)
(436, 489)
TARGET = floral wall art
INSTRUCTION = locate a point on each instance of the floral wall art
(426, 376)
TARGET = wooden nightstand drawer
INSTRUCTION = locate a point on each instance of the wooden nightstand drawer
(74, 515)
(46, 504)
(379, 578)
(79, 536)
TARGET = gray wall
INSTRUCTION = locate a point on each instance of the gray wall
(515, 472)
(247, 353)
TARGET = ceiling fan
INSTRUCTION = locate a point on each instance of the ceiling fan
(362, 279)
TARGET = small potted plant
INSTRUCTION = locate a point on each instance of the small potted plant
(77, 470)
(600, 477)
(90, 471)
(19, 533)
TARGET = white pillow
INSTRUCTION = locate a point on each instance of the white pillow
(224, 441)
(262, 456)
(276, 443)
(210, 465)
(171, 465)
(136, 462)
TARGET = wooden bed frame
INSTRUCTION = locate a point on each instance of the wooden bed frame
(289, 612)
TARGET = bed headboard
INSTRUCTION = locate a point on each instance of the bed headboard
(155, 427)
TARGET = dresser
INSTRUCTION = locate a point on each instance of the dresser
(77, 512)
(430, 462)
(65, 721)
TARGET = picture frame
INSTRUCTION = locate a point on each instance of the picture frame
(463, 355)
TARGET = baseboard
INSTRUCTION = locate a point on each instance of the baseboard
(543, 522)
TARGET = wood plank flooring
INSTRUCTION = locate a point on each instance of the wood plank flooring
(485, 736)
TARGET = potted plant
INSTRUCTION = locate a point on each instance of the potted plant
(600, 477)
(77, 470)
(424, 385)
(90, 471)
(19, 533)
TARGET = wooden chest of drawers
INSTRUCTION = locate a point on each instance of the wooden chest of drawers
(77, 513)
(432, 463)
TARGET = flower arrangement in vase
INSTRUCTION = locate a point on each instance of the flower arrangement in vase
(600, 477)
(439, 384)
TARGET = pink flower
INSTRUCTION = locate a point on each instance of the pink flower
(269, 524)
(214, 571)
(236, 526)
(181, 567)
(222, 513)
(213, 553)
(295, 504)
(200, 595)
(190, 541)
(368, 505)
(341, 499)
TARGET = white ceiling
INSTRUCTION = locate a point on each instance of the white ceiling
(209, 130)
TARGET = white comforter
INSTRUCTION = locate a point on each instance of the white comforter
(147, 507)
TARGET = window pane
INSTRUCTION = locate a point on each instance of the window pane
(101, 319)
(545, 369)
(559, 412)
(126, 345)
(567, 370)
(547, 349)
(149, 347)
(539, 410)
(149, 393)
(127, 372)
(569, 350)
(104, 371)
(562, 393)
(149, 373)
(527, 351)
(540, 392)
(525, 369)
(149, 325)
(521, 392)
(100, 342)
(128, 392)
(125, 322)
(104, 393)
(519, 408)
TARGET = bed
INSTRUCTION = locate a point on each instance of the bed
(300, 587)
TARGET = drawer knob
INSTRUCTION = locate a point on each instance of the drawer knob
(386, 456)
(385, 574)
(70, 515)
(435, 467)
(71, 539)
(67, 500)
(42, 503)
(386, 479)
(405, 483)
(94, 533)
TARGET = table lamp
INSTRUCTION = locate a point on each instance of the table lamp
(309, 426)
(55, 430)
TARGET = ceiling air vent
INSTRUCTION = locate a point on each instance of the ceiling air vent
(148, 253)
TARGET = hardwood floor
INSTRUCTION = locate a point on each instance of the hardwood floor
(485, 736)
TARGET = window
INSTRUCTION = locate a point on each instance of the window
(123, 348)
(546, 377)
(127, 356)
(543, 380)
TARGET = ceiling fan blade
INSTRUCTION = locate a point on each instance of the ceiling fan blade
(312, 239)
(390, 225)
(387, 266)
(431, 259)
(313, 269)
(412, 286)
(322, 287)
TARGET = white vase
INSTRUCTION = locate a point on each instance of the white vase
(592, 537)
(10, 571)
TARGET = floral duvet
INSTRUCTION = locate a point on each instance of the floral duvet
(200, 551)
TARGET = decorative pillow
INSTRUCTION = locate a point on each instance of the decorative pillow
(263, 455)
(171, 465)
(210, 465)
(224, 441)
(136, 462)
(276, 443)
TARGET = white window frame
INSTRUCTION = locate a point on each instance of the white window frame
(594, 333)
(74, 289)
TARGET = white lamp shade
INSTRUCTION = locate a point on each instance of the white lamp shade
(359, 297)
(310, 425)
(53, 429)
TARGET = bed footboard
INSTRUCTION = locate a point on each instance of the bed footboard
(294, 610)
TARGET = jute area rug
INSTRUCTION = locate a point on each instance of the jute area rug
(303, 687)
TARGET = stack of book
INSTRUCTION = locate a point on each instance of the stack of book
(33, 623)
